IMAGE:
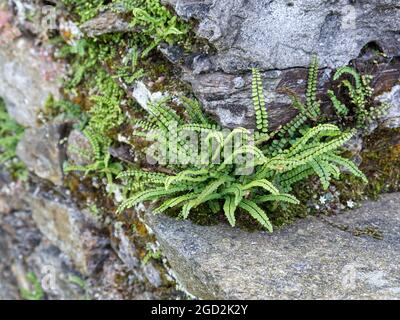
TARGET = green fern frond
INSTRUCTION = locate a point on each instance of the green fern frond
(194, 111)
(187, 176)
(263, 183)
(312, 104)
(230, 206)
(340, 108)
(346, 163)
(153, 177)
(94, 142)
(259, 102)
(277, 198)
(322, 172)
(149, 195)
(351, 71)
(257, 213)
(236, 190)
(211, 188)
(195, 203)
(174, 202)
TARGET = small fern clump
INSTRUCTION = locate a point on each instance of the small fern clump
(105, 114)
(101, 163)
(308, 112)
(155, 21)
(235, 170)
(10, 134)
(360, 94)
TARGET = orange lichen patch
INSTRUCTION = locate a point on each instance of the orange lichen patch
(141, 229)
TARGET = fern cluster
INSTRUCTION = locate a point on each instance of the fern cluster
(155, 21)
(308, 112)
(261, 169)
(106, 114)
(360, 93)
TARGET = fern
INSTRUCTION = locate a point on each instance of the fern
(230, 206)
(310, 111)
(259, 102)
(278, 160)
(10, 134)
(340, 108)
(277, 198)
(257, 213)
(312, 104)
(360, 94)
(193, 108)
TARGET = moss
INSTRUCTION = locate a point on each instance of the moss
(381, 164)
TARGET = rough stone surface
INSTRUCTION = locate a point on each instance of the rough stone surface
(128, 252)
(28, 76)
(41, 150)
(279, 37)
(227, 97)
(392, 118)
(79, 149)
(284, 34)
(24, 248)
(70, 230)
(8, 285)
(56, 271)
(106, 22)
(312, 259)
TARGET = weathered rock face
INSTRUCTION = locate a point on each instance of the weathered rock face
(28, 76)
(284, 34)
(312, 259)
(79, 150)
(279, 37)
(42, 152)
(106, 22)
(392, 118)
(71, 231)
(227, 97)
(8, 285)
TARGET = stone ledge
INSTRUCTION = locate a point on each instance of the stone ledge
(312, 259)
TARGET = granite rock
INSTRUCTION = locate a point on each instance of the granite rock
(42, 151)
(28, 76)
(349, 256)
(70, 230)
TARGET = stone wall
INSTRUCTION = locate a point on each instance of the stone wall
(45, 230)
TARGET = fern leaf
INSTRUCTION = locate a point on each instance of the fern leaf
(263, 183)
(153, 177)
(174, 202)
(312, 104)
(230, 206)
(340, 107)
(187, 175)
(149, 195)
(348, 164)
(194, 203)
(322, 173)
(257, 213)
(211, 188)
(93, 140)
(259, 102)
(236, 190)
(194, 111)
(277, 198)
(349, 70)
